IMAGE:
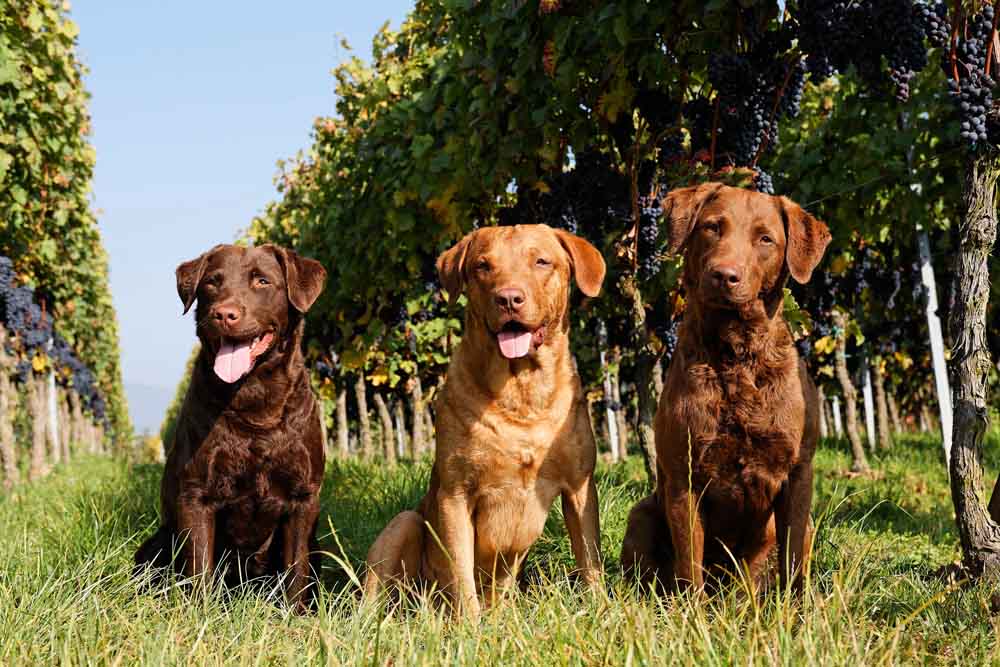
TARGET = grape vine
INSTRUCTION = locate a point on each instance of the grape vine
(36, 345)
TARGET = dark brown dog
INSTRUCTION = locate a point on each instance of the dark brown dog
(244, 471)
(737, 423)
(513, 432)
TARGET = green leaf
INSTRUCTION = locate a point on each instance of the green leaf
(63, 90)
(421, 144)
(70, 29)
(47, 250)
(621, 29)
(6, 159)
(34, 21)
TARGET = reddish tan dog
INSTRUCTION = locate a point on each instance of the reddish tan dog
(737, 423)
(512, 426)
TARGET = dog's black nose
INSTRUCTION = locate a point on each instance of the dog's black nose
(226, 315)
(509, 298)
(726, 276)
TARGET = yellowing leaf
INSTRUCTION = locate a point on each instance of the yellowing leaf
(70, 29)
(825, 345)
(379, 376)
(38, 363)
(328, 392)
(353, 359)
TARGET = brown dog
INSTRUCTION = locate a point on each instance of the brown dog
(244, 471)
(512, 426)
(738, 419)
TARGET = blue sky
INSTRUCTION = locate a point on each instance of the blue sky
(192, 105)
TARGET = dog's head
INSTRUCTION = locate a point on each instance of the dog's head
(740, 246)
(517, 280)
(249, 300)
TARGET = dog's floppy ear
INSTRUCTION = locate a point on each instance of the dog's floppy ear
(304, 277)
(586, 260)
(681, 207)
(807, 240)
(451, 267)
(188, 275)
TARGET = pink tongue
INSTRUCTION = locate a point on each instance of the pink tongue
(514, 344)
(233, 361)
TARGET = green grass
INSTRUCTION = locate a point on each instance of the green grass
(66, 595)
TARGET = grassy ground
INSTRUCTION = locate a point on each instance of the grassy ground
(66, 594)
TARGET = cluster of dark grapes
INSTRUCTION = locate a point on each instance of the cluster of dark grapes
(762, 182)
(31, 331)
(666, 331)
(754, 90)
(400, 317)
(650, 255)
(591, 199)
(790, 104)
(823, 28)
(906, 53)
(731, 75)
(819, 297)
(663, 322)
(658, 108)
(325, 369)
(972, 93)
(934, 16)
(698, 117)
(668, 336)
(671, 147)
(880, 272)
(437, 305)
(838, 34)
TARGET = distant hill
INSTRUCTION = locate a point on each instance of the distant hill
(147, 405)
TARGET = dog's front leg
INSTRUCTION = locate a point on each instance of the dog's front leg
(458, 539)
(791, 518)
(686, 532)
(298, 530)
(582, 524)
(196, 526)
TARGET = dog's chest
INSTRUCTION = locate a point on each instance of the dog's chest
(744, 440)
(517, 484)
(264, 474)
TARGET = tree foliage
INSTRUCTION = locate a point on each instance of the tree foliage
(46, 169)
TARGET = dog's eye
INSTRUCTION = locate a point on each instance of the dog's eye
(482, 265)
(766, 240)
(711, 227)
(541, 261)
(261, 281)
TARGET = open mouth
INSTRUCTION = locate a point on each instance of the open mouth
(516, 340)
(236, 358)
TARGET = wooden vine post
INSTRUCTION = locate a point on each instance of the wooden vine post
(360, 395)
(343, 441)
(859, 462)
(37, 466)
(8, 401)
